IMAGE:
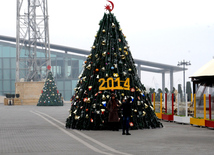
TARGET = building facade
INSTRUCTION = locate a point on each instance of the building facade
(65, 67)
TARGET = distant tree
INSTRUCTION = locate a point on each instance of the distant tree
(179, 90)
(188, 90)
(166, 90)
(158, 94)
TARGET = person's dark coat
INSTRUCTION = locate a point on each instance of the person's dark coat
(113, 110)
(126, 106)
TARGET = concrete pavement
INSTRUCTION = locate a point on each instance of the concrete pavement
(32, 130)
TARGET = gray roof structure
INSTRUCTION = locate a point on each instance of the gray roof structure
(142, 65)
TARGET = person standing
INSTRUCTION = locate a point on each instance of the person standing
(113, 118)
(126, 106)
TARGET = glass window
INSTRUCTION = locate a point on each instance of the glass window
(13, 74)
(0, 63)
(12, 52)
(1, 73)
(67, 85)
(1, 86)
(6, 74)
(67, 95)
(6, 63)
(6, 51)
(13, 85)
(59, 85)
(13, 62)
(74, 83)
(1, 51)
(6, 85)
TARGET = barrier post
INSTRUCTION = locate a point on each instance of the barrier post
(194, 105)
(154, 101)
(186, 106)
(165, 102)
(210, 113)
(204, 106)
(161, 103)
(172, 104)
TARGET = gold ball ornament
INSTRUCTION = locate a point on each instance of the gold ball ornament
(135, 110)
(93, 47)
(103, 30)
(115, 75)
(125, 47)
(86, 116)
(113, 25)
(104, 54)
(122, 94)
(120, 29)
(130, 69)
(103, 42)
(120, 49)
(96, 56)
(123, 56)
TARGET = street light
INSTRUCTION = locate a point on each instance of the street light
(184, 63)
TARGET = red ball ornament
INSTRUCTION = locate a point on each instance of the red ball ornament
(92, 120)
(86, 110)
(108, 53)
(41, 91)
(85, 62)
(112, 89)
(85, 99)
(132, 90)
(131, 124)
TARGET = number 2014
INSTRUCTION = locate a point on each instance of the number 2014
(111, 84)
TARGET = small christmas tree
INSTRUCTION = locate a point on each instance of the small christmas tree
(50, 95)
(109, 68)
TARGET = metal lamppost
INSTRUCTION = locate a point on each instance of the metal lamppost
(184, 63)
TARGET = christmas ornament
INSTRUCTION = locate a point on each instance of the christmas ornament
(96, 55)
(92, 120)
(89, 56)
(77, 117)
(130, 69)
(86, 116)
(103, 111)
(138, 103)
(106, 74)
(97, 70)
(75, 111)
(103, 69)
(151, 107)
(103, 30)
(103, 42)
(98, 112)
(85, 99)
(146, 106)
(112, 67)
(89, 66)
(86, 110)
(126, 52)
(89, 100)
(115, 75)
(122, 94)
(115, 54)
(103, 97)
(120, 29)
(77, 97)
(120, 49)
(104, 103)
(123, 56)
(93, 47)
(89, 88)
(85, 62)
(125, 47)
(94, 105)
(97, 77)
(113, 25)
(107, 96)
(132, 90)
(115, 65)
(144, 113)
(131, 124)
(104, 54)
(135, 110)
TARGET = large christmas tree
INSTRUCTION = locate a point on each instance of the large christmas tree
(109, 68)
(50, 95)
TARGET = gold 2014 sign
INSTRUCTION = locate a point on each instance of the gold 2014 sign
(114, 84)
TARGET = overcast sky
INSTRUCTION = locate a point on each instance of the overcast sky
(164, 31)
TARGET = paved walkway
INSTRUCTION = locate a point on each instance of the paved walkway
(32, 130)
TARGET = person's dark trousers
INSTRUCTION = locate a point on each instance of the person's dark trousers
(125, 124)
